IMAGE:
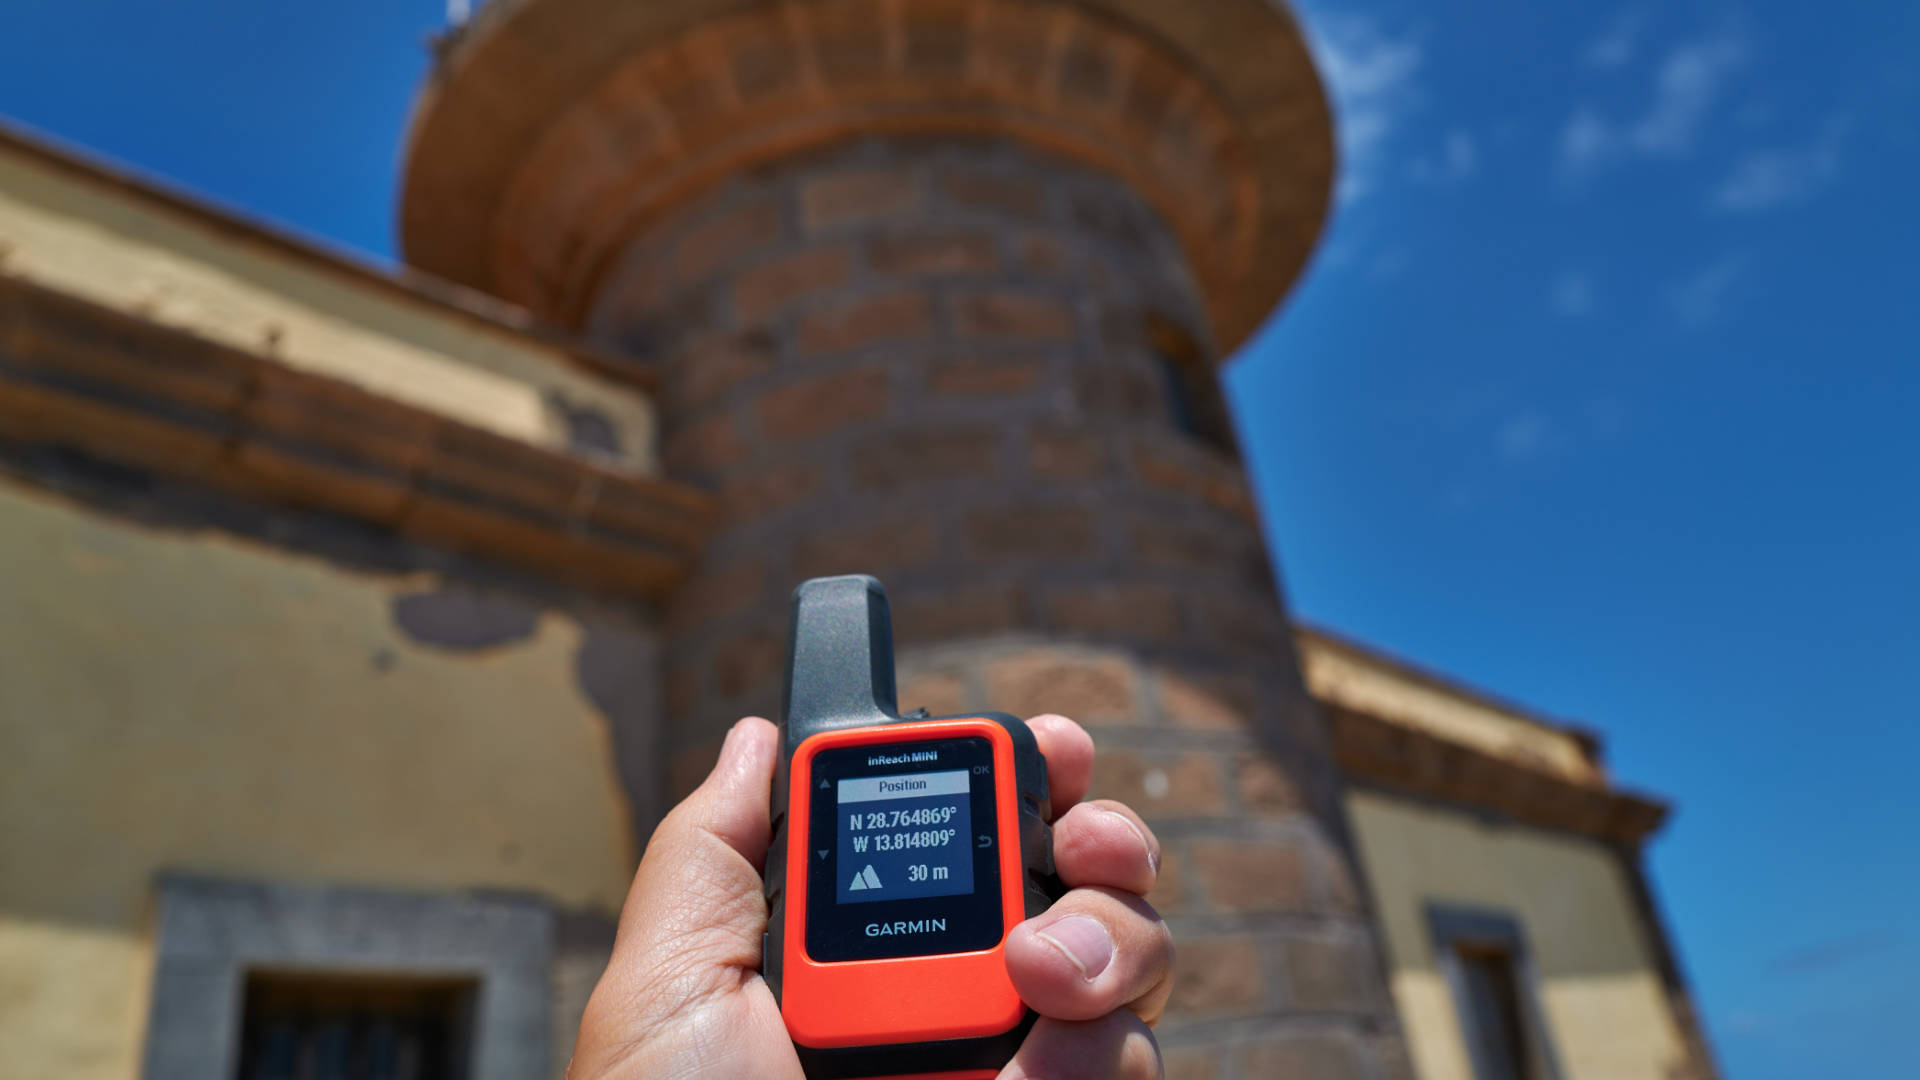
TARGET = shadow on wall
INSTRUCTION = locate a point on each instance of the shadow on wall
(196, 683)
(1572, 897)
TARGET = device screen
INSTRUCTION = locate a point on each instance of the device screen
(910, 834)
(904, 857)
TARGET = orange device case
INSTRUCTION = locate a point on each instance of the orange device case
(950, 1016)
(907, 998)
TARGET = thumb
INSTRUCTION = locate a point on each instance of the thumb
(693, 919)
(731, 805)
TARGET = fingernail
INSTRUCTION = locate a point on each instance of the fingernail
(1153, 853)
(1083, 941)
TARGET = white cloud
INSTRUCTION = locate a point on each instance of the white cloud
(1585, 142)
(1765, 179)
(1371, 75)
(1572, 296)
(1463, 159)
(1618, 45)
(1701, 297)
(1524, 436)
(1690, 84)
(1687, 87)
(1459, 160)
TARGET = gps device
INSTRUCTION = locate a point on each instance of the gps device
(904, 850)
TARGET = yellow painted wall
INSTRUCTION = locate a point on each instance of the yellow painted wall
(1602, 994)
(116, 249)
(185, 700)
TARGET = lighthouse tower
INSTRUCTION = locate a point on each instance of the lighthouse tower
(937, 290)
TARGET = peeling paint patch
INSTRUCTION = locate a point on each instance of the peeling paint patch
(463, 619)
(617, 669)
(590, 431)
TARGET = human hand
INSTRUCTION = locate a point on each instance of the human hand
(682, 996)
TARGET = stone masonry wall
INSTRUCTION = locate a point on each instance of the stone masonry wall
(929, 360)
(1277, 976)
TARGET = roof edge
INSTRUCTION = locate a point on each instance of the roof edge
(402, 281)
(1589, 738)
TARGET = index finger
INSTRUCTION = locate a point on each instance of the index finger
(1069, 752)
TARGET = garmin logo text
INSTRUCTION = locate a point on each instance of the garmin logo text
(917, 926)
(902, 759)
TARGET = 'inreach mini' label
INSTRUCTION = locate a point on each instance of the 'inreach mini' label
(902, 759)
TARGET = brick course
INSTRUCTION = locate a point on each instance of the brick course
(748, 662)
(961, 611)
(983, 376)
(687, 768)
(1220, 975)
(1169, 894)
(721, 239)
(759, 292)
(882, 547)
(1328, 974)
(1191, 1064)
(1089, 689)
(1150, 611)
(756, 495)
(1320, 1056)
(1187, 784)
(1207, 704)
(847, 198)
(1042, 256)
(944, 251)
(941, 693)
(1017, 197)
(710, 444)
(1189, 472)
(734, 589)
(1064, 454)
(1248, 877)
(888, 318)
(1264, 787)
(1011, 316)
(1037, 531)
(718, 362)
(815, 406)
(904, 459)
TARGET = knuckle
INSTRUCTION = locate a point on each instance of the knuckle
(1139, 1050)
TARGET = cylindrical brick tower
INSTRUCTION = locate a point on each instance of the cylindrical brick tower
(934, 289)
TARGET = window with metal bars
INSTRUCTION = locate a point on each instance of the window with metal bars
(1494, 1013)
(326, 1026)
(1483, 956)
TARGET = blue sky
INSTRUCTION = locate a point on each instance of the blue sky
(1600, 393)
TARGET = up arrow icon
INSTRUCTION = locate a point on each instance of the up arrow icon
(823, 783)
